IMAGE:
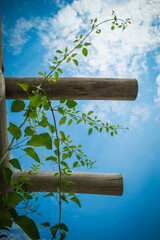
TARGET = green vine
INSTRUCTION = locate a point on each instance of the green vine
(31, 134)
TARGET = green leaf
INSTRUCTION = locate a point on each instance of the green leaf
(44, 122)
(59, 70)
(45, 224)
(66, 50)
(73, 55)
(90, 112)
(71, 103)
(62, 120)
(68, 60)
(63, 197)
(112, 134)
(115, 18)
(49, 195)
(30, 151)
(7, 172)
(100, 130)
(5, 220)
(90, 131)
(13, 198)
(79, 46)
(85, 52)
(64, 156)
(41, 140)
(40, 73)
(63, 227)
(35, 100)
(51, 158)
(63, 235)
(63, 99)
(47, 139)
(80, 120)
(71, 194)
(56, 174)
(62, 135)
(15, 163)
(76, 200)
(56, 75)
(28, 131)
(70, 121)
(95, 20)
(87, 44)
(64, 164)
(17, 106)
(51, 128)
(59, 51)
(75, 62)
(28, 226)
(24, 86)
(56, 142)
(14, 130)
(113, 27)
(52, 68)
(36, 141)
(75, 164)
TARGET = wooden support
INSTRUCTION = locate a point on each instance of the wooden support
(90, 183)
(76, 88)
(4, 142)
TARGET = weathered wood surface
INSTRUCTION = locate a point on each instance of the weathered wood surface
(76, 88)
(90, 183)
(4, 143)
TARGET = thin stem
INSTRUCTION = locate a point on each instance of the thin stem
(96, 26)
(13, 139)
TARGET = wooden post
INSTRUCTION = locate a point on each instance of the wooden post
(90, 183)
(4, 143)
(76, 88)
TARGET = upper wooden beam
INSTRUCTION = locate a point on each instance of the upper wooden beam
(84, 182)
(76, 88)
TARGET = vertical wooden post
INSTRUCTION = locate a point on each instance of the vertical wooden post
(4, 142)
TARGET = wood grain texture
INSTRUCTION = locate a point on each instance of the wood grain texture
(90, 183)
(4, 142)
(76, 88)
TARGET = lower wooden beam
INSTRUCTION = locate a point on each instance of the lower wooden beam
(90, 183)
(76, 88)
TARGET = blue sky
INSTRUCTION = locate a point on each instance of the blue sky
(32, 32)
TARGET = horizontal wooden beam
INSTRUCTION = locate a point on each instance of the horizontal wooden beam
(90, 183)
(76, 88)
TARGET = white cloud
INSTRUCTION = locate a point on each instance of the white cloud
(18, 35)
(140, 113)
(112, 53)
(107, 111)
(157, 97)
(121, 113)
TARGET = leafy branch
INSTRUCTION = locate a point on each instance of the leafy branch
(36, 119)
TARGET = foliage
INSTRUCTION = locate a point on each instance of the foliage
(37, 130)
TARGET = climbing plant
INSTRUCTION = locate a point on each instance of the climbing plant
(39, 130)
